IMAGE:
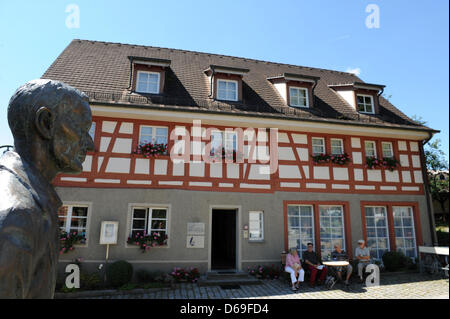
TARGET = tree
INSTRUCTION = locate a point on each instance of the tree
(436, 162)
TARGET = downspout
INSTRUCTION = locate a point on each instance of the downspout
(378, 96)
(312, 91)
(427, 192)
(131, 74)
(212, 81)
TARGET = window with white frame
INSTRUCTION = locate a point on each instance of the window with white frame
(229, 144)
(405, 239)
(256, 225)
(387, 149)
(153, 134)
(365, 103)
(370, 147)
(147, 82)
(377, 230)
(227, 90)
(73, 218)
(149, 220)
(337, 146)
(331, 228)
(298, 97)
(318, 145)
(92, 131)
(300, 227)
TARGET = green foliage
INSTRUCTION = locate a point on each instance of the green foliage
(119, 273)
(67, 240)
(389, 163)
(340, 159)
(180, 274)
(145, 241)
(436, 162)
(264, 272)
(394, 260)
(144, 276)
(443, 238)
(90, 281)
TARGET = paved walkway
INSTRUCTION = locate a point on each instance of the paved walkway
(401, 286)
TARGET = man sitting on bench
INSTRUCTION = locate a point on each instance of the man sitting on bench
(314, 265)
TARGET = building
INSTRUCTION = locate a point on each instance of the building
(301, 170)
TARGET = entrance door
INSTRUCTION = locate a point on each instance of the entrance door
(223, 239)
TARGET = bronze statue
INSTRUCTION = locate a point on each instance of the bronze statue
(50, 123)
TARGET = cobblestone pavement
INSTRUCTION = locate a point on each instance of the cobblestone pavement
(402, 286)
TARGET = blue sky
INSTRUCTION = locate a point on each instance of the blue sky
(408, 52)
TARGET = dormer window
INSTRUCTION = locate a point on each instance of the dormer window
(365, 103)
(227, 90)
(148, 82)
(148, 75)
(298, 97)
(296, 90)
(363, 97)
(225, 82)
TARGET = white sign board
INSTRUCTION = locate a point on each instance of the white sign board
(108, 233)
(195, 228)
(195, 242)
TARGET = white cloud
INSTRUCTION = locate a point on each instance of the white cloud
(355, 71)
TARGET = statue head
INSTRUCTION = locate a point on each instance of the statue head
(50, 122)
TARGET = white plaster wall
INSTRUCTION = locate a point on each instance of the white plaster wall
(141, 166)
(118, 165)
(321, 172)
(122, 145)
(340, 173)
(289, 171)
(160, 167)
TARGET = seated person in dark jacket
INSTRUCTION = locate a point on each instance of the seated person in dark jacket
(313, 263)
(341, 255)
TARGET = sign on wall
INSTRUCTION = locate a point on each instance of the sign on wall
(195, 235)
(108, 233)
(195, 242)
(196, 228)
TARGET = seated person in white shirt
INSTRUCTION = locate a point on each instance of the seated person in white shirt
(362, 254)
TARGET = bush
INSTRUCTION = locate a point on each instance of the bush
(180, 274)
(443, 238)
(90, 281)
(394, 260)
(264, 272)
(119, 273)
(144, 276)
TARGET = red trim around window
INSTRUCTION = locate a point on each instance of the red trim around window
(390, 216)
(316, 204)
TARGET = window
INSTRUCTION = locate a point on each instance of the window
(404, 230)
(92, 130)
(370, 147)
(337, 146)
(387, 149)
(147, 82)
(377, 231)
(300, 227)
(149, 220)
(153, 134)
(217, 143)
(365, 103)
(298, 97)
(331, 228)
(227, 90)
(318, 145)
(256, 225)
(73, 218)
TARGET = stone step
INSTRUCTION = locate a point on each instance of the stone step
(229, 281)
(219, 278)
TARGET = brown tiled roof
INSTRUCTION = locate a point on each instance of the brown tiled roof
(102, 70)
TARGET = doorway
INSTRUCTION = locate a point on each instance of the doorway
(223, 239)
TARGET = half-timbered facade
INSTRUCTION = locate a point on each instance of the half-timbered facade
(313, 156)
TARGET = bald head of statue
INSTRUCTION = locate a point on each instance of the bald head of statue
(50, 123)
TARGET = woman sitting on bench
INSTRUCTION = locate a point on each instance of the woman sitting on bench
(294, 267)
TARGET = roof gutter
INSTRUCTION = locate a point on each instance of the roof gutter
(426, 183)
(212, 80)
